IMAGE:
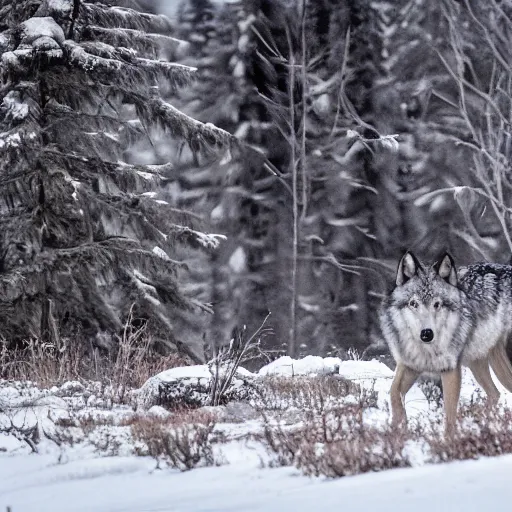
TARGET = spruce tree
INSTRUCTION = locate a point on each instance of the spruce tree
(85, 241)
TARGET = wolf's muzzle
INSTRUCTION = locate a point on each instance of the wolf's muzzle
(427, 335)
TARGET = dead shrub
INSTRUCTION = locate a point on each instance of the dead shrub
(88, 423)
(226, 361)
(182, 441)
(336, 443)
(483, 432)
(303, 393)
(357, 451)
(331, 438)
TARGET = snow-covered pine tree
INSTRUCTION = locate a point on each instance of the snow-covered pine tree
(84, 239)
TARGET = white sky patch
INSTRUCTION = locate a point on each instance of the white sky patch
(238, 260)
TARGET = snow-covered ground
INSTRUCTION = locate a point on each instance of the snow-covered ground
(80, 478)
(38, 484)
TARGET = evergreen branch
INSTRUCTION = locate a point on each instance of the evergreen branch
(120, 17)
(198, 135)
(128, 178)
(129, 38)
(68, 119)
(120, 64)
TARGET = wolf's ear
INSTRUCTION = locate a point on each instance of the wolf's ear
(445, 267)
(407, 268)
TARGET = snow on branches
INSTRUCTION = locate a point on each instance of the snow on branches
(86, 239)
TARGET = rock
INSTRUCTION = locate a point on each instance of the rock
(238, 412)
(8, 393)
(52, 402)
(189, 386)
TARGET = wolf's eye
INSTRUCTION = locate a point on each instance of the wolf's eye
(437, 304)
(413, 304)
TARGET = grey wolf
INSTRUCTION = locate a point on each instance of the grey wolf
(437, 319)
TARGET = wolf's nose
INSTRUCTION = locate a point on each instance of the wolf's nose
(427, 335)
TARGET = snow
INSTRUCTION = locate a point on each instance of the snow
(161, 253)
(14, 107)
(146, 175)
(310, 365)
(40, 484)
(9, 140)
(200, 371)
(79, 478)
(365, 370)
(63, 6)
(34, 28)
(206, 240)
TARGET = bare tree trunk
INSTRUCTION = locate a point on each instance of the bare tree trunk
(293, 165)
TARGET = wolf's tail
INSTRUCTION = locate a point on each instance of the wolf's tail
(501, 366)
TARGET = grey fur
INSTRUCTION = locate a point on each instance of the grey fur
(469, 312)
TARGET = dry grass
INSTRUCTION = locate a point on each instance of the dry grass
(358, 451)
(129, 367)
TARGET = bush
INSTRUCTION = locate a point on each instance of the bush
(335, 443)
(331, 438)
(483, 431)
(307, 394)
(183, 441)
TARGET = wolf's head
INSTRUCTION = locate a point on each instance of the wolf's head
(426, 298)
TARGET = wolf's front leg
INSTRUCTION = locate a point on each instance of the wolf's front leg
(451, 392)
(403, 381)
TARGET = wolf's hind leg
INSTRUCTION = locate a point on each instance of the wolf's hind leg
(501, 365)
(482, 373)
(451, 392)
(403, 381)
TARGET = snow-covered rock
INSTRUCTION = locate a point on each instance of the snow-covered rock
(238, 412)
(187, 385)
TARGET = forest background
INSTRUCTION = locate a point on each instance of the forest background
(363, 128)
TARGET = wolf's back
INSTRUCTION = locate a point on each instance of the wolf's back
(488, 288)
(487, 283)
